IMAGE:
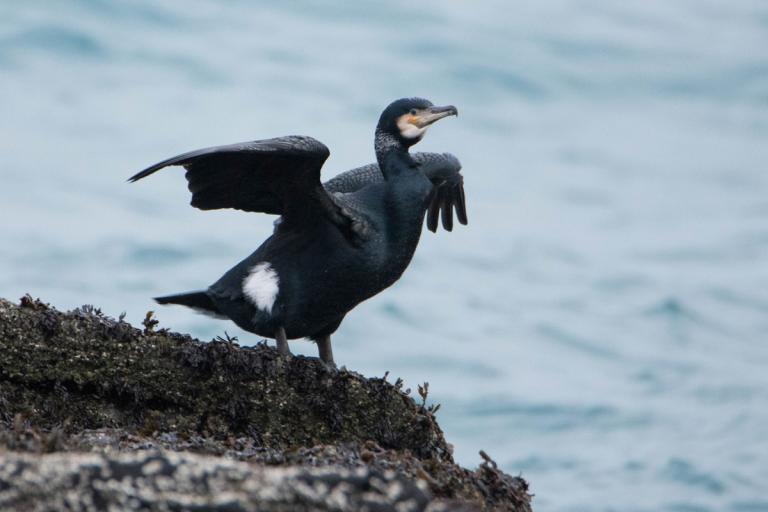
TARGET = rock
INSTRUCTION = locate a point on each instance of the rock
(184, 481)
(303, 435)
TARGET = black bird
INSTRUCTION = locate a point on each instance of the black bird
(335, 245)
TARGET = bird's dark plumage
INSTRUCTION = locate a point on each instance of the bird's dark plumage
(199, 301)
(335, 244)
(442, 169)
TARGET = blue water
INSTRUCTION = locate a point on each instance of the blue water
(599, 327)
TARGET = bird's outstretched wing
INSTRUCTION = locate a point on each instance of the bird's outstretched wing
(279, 176)
(442, 169)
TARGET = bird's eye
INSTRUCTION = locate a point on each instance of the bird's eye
(413, 112)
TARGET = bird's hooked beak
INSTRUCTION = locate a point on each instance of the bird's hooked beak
(426, 117)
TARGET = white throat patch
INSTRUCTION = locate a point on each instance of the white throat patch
(261, 286)
(409, 130)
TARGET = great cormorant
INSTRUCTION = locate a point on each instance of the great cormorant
(335, 245)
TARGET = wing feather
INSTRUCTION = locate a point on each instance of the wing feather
(277, 176)
(443, 170)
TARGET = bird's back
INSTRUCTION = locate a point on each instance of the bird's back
(321, 273)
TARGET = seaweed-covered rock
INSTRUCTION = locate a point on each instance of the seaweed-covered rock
(81, 381)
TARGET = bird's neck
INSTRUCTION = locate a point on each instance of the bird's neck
(392, 155)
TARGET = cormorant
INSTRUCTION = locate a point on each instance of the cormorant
(335, 245)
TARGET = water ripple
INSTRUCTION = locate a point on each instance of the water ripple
(56, 40)
(685, 473)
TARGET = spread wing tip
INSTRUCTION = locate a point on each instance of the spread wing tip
(460, 204)
(291, 144)
(151, 170)
(143, 174)
(442, 206)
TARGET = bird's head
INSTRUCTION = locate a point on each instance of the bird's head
(407, 119)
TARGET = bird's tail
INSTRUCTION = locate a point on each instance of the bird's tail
(200, 301)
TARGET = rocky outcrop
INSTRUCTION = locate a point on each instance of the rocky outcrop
(171, 423)
(185, 481)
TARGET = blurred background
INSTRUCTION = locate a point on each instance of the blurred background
(599, 327)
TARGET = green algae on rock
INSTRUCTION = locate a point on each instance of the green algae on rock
(81, 381)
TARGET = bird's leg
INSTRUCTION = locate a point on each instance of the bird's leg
(324, 347)
(282, 342)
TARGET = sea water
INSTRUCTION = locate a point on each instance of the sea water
(599, 327)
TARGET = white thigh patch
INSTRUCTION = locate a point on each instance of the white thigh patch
(261, 286)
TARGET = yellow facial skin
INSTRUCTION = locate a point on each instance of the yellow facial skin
(410, 127)
(415, 123)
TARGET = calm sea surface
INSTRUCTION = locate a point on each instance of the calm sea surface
(601, 326)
